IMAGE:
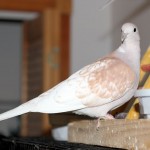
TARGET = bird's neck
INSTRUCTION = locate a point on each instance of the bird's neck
(129, 52)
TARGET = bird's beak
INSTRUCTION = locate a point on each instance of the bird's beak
(123, 37)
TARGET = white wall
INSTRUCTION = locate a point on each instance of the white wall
(87, 25)
(96, 32)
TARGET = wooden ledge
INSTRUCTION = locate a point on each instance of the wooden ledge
(125, 134)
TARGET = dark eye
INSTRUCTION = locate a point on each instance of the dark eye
(121, 30)
(134, 29)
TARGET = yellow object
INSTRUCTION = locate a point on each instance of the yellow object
(133, 113)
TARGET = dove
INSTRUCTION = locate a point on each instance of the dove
(95, 89)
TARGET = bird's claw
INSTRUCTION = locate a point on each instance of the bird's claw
(107, 117)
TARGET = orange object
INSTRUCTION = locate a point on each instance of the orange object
(145, 68)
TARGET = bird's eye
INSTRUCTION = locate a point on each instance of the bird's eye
(134, 29)
(121, 30)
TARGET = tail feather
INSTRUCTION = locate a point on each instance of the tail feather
(22, 109)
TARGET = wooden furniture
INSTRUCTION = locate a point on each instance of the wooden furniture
(45, 53)
(126, 134)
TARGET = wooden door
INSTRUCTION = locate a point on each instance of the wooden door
(31, 124)
(46, 63)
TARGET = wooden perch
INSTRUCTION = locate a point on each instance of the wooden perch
(126, 134)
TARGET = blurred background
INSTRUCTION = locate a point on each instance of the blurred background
(42, 42)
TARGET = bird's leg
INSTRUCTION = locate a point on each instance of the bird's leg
(106, 117)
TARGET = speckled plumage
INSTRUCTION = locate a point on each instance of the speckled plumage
(95, 89)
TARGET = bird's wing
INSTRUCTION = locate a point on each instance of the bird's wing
(96, 84)
(103, 81)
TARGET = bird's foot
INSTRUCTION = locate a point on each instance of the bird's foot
(107, 117)
(121, 115)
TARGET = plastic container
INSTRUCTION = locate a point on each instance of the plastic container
(144, 99)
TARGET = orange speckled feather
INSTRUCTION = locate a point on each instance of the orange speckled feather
(108, 78)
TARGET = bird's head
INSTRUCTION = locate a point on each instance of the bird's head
(129, 32)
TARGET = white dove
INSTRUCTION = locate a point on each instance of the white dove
(95, 89)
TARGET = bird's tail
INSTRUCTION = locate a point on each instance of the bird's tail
(22, 109)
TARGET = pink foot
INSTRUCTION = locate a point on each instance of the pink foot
(107, 117)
